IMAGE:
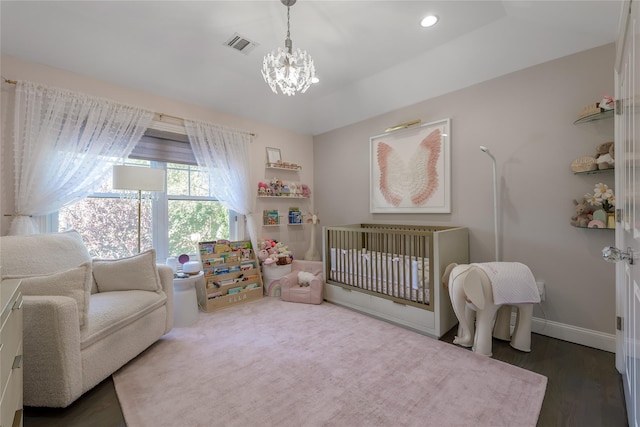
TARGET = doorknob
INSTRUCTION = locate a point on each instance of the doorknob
(613, 254)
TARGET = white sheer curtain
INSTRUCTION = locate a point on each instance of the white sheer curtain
(226, 153)
(64, 144)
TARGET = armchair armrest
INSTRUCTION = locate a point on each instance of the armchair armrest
(166, 280)
(52, 363)
(289, 280)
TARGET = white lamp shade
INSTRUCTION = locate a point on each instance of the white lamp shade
(138, 178)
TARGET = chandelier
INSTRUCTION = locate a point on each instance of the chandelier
(291, 71)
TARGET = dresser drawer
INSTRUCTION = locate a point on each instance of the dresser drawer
(10, 338)
(11, 404)
(11, 354)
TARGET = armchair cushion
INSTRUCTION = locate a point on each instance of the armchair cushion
(138, 272)
(74, 283)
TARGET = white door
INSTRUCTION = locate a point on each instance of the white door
(627, 147)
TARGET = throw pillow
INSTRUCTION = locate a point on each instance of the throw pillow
(138, 272)
(74, 283)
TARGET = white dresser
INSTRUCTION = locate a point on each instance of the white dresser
(11, 354)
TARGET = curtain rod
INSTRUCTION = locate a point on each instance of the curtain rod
(161, 115)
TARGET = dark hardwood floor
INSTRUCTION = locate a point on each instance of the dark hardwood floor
(584, 389)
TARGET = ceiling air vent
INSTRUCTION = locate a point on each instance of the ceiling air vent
(241, 43)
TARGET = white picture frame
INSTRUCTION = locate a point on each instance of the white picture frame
(410, 170)
(273, 156)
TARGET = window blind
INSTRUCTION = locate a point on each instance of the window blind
(164, 145)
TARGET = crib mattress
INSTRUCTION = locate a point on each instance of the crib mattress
(400, 276)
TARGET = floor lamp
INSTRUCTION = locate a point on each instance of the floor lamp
(139, 179)
(495, 199)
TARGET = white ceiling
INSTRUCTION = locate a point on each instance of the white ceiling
(371, 56)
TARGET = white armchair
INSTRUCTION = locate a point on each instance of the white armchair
(79, 330)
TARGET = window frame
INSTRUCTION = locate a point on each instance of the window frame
(160, 214)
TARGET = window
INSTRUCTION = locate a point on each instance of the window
(174, 222)
(194, 214)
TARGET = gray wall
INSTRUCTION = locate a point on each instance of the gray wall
(526, 119)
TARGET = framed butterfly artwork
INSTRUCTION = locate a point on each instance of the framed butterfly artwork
(411, 170)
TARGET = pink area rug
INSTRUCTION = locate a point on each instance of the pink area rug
(273, 363)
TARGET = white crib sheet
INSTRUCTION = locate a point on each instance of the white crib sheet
(401, 276)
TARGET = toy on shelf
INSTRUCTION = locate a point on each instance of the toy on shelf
(272, 252)
(306, 191)
(603, 159)
(270, 217)
(583, 214)
(607, 103)
(283, 165)
(595, 210)
(295, 216)
(279, 188)
(605, 155)
(262, 189)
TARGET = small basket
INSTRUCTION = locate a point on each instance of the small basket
(584, 164)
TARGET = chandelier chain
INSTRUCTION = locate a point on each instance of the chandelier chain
(288, 28)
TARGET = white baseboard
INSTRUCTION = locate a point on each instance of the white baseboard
(574, 334)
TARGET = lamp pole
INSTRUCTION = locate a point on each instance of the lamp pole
(139, 215)
(495, 199)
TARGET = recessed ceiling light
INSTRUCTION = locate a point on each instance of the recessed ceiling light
(429, 21)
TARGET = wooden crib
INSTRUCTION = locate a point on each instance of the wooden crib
(394, 272)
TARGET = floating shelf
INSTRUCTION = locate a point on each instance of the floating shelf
(593, 117)
(282, 197)
(594, 228)
(595, 172)
(297, 168)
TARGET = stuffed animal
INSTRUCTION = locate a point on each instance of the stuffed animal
(263, 255)
(306, 191)
(605, 161)
(606, 103)
(262, 189)
(605, 155)
(583, 214)
(305, 278)
(276, 186)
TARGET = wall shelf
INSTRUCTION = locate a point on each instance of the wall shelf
(608, 114)
(593, 117)
(282, 197)
(280, 168)
(595, 172)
